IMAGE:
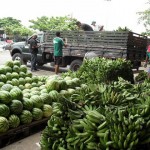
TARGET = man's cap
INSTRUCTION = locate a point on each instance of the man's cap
(93, 22)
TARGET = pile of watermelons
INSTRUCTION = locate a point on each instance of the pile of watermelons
(23, 97)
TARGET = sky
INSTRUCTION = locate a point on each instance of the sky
(110, 13)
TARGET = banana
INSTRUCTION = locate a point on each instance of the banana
(90, 124)
(102, 125)
(100, 134)
(90, 139)
(134, 136)
(120, 114)
(92, 145)
(92, 119)
(86, 127)
(129, 136)
(84, 134)
(106, 136)
(125, 144)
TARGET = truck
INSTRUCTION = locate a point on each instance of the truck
(108, 44)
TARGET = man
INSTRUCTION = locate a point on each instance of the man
(33, 50)
(96, 27)
(147, 58)
(58, 46)
(84, 26)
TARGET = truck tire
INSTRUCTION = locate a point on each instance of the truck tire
(18, 56)
(75, 65)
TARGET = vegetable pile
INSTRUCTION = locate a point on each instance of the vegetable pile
(99, 70)
(23, 97)
(108, 112)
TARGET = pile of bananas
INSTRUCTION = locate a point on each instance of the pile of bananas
(101, 117)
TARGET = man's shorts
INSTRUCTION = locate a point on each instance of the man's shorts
(58, 60)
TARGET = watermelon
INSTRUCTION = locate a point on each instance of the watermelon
(28, 86)
(37, 113)
(43, 91)
(16, 107)
(28, 74)
(42, 87)
(35, 79)
(2, 70)
(15, 75)
(17, 63)
(70, 84)
(16, 93)
(4, 110)
(37, 101)
(27, 104)
(5, 97)
(21, 87)
(46, 98)
(26, 91)
(4, 124)
(26, 117)
(35, 89)
(1, 84)
(15, 82)
(9, 63)
(9, 82)
(7, 87)
(26, 95)
(23, 68)
(62, 85)
(54, 95)
(40, 83)
(64, 93)
(47, 110)
(3, 78)
(22, 74)
(35, 93)
(52, 84)
(8, 75)
(71, 91)
(8, 69)
(34, 84)
(14, 121)
(22, 81)
(28, 80)
(76, 81)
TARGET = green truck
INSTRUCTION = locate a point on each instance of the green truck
(109, 44)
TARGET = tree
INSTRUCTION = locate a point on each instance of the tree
(13, 28)
(54, 23)
(9, 21)
(145, 19)
(123, 29)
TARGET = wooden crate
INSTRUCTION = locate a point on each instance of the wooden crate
(21, 132)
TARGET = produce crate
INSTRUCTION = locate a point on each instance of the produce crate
(21, 132)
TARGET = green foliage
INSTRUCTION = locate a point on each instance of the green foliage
(123, 29)
(54, 23)
(145, 19)
(141, 76)
(13, 27)
(103, 70)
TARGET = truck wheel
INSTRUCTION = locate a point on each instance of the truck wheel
(18, 57)
(75, 65)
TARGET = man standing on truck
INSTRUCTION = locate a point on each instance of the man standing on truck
(84, 26)
(33, 50)
(96, 27)
(58, 46)
(147, 58)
